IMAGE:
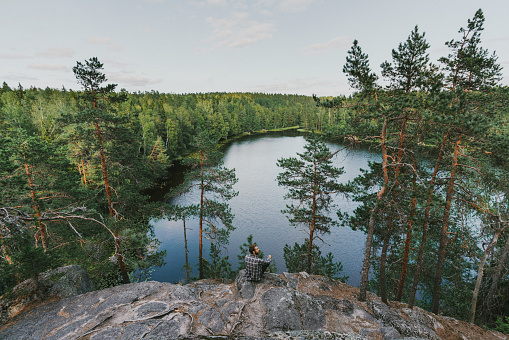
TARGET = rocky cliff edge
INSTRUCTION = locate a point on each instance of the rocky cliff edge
(286, 306)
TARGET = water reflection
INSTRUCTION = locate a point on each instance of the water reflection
(258, 207)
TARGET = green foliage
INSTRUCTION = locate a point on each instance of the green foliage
(217, 266)
(89, 75)
(358, 70)
(410, 68)
(469, 66)
(53, 134)
(422, 200)
(296, 258)
(311, 180)
(28, 260)
(7, 277)
(502, 324)
(49, 143)
(214, 184)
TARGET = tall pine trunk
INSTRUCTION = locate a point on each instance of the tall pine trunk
(200, 237)
(104, 168)
(4, 250)
(495, 278)
(383, 261)
(480, 272)
(406, 253)
(107, 188)
(437, 285)
(372, 219)
(424, 239)
(313, 226)
(120, 257)
(40, 225)
(396, 181)
(83, 172)
(390, 225)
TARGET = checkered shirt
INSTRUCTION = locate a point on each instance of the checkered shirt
(255, 267)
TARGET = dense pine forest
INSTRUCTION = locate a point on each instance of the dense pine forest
(75, 167)
(58, 151)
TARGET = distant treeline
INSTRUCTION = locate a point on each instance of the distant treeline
(172, 118)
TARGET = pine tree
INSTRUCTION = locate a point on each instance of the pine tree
(311, 180)
(468, 65)
(358, 71)
(469, 68)
(410, 64)
(296, 259)
(215, 186)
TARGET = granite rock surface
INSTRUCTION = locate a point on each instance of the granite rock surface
(285, 306)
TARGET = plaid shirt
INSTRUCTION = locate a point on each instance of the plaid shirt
(255, 267)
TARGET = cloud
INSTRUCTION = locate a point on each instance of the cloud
(301, 86)
(56, 52)
(238, 31)
(339, 42)
(105, 41)
(48, 67)
(146, 29)
(295, 5)
(116, 47)
(503, 39)
(266, 3)
(221, 3)
(133, 80)
(99, 40)
(116, 63)
(266, 12)
(13, 56)
(18, 77)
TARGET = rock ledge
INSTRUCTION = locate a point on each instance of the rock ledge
(286, 306)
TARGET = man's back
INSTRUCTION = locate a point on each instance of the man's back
(255, 267)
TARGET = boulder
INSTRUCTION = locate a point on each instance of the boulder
(52, 285)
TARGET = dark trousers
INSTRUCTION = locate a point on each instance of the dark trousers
(264, 267)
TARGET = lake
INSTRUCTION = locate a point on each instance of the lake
(258, 207)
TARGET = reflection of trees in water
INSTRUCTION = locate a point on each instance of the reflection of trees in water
(258, 208)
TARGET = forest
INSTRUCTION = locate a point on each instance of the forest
(76, 167)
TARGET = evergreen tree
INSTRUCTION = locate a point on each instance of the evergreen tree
(296, 259)
(469, 66)
(103, 136)
(215, 186)
(90, 76)
(311, 180)
(410, 65)
(358, 71)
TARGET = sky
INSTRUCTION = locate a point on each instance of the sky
(199, 46)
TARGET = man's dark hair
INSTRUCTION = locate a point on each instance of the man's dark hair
(252, 248)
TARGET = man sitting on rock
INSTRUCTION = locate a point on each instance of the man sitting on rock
(255, 266)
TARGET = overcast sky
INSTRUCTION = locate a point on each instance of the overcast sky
(270, 46)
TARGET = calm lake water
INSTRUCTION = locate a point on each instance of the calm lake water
(258, 207)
